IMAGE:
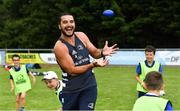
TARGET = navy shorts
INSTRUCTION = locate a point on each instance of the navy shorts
(82, 100)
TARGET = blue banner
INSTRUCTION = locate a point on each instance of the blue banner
(2, 58)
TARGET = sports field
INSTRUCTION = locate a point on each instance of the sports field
(116, 89)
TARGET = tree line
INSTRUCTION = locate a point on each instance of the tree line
(34, 23)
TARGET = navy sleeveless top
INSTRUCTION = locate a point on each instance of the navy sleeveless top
(80, 56)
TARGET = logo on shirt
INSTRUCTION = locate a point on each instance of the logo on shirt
(62, 100)
(74, 52)
(91, 105)
(80, 57)
(20, 79)
(80, 47)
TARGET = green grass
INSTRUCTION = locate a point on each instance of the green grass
(116, 89)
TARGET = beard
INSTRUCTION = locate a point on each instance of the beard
(64, 33)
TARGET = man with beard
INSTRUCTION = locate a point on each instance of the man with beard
(72, 52)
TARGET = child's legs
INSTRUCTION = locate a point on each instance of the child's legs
(23, 99)
(17, 102)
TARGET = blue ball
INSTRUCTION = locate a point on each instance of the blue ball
(108, 13)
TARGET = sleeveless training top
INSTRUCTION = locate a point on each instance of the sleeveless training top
(150, 103)
(21, 80)
(144, 71)
(80, 56)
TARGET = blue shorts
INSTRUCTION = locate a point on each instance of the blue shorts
(83, 100)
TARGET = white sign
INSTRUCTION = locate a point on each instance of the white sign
(129, 57)
(48, 58)
(168, 57)
(134, 57)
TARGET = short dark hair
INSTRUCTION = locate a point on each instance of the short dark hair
(154, 80)
(15, 55)
(150, 48)
(62, 14)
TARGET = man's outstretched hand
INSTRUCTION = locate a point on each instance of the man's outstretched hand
(107, 51)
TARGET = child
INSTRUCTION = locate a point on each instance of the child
(152, 101)
(52, 82)
(20, 82)
(146, 66)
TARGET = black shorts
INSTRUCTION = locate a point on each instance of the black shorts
(83, 100)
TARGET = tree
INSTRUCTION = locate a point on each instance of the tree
(33, 23)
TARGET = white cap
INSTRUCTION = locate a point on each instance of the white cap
(50, 75)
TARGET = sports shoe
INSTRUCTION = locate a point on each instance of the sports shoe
(21, 109)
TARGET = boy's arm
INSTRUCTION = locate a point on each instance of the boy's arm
(138, 72)
(12, 85)
(160, 68)
(139, 80)
(33, 77)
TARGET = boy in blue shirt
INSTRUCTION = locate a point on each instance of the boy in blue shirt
(152, 101)
(20, 82)
(146, 66)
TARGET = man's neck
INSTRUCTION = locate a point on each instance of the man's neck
(70, 40)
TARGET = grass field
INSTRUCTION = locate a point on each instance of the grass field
(116, 89)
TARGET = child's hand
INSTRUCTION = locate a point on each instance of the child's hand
(143, 85)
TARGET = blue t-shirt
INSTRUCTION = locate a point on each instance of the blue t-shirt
(138, 68)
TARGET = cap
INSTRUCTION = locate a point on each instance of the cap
(50, 75)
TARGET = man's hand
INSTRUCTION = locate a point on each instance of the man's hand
(107, 51)
(100, 62)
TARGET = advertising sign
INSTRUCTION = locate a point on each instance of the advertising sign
(25, 58)
(119, 58)
(48, 58)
